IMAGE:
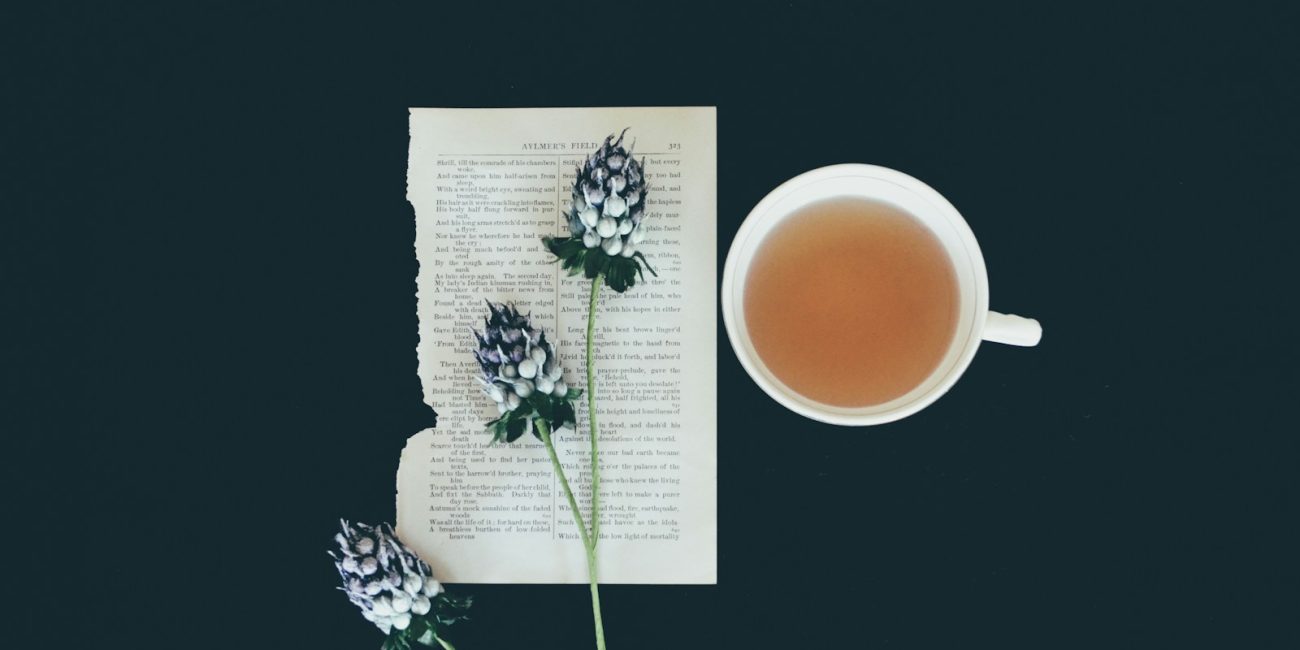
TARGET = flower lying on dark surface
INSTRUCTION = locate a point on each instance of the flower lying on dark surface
(393, 587)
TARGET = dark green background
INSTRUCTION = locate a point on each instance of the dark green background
(210, 318)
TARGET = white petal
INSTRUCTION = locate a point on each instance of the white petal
(606, 227)
(369, 566)
(421, 606)
(512, 402)
(625, 226)
(589, 217)
(561, 389)
(590, 239)
(615, 206)
(539, 356)
(382, 607)
(545, 385)
(617, 183)
(402, 621)
(523, 387)
(412, 584)
(508, 371)
(629, 249)
(365, 545)
(612, 246)
(637, 235)
(527, 368)
(431, 587)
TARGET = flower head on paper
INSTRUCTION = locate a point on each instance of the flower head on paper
(522, 374)
(605, 218)
(394, 588)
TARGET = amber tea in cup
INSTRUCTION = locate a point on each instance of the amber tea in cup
(851, 302)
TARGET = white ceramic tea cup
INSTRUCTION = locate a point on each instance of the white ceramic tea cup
(975, 322)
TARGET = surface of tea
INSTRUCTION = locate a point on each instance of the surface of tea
(851, 302)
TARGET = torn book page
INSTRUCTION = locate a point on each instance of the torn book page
(486, 185)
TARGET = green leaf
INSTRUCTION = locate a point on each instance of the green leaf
(396, 641)
(624, 272)
(450, 609)
(617, 276)
(572, 254)
(555, 245)
(542, 404)
(574, 262)
(594, 263)
(641, 256)
(499, 429)
(564, 415)
(515, 429)
(424, 630)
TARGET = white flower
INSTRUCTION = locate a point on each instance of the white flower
(588, 217)
(528, 368)
(606, 227)
(382, 576)
(615, 206)
(517, 362)
(609, 186)
(402, 621)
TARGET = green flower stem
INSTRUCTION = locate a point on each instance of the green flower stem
(544, 430)
(592, 570)
(595, 598)
(591, 409)
(443, 642)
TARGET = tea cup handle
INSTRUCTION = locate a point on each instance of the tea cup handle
(1012, 330)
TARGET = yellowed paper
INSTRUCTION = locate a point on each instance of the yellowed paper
(486, 184)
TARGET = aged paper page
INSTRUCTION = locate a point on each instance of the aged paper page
(486, 185)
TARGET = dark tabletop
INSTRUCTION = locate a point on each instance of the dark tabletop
(211, 318)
